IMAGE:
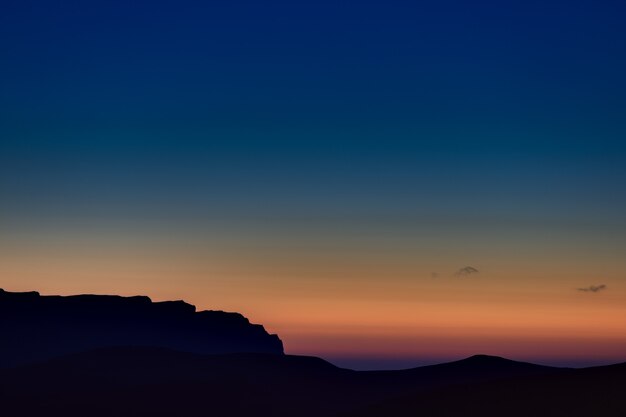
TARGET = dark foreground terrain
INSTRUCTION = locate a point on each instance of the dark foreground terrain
(157, 382)
(129, 357)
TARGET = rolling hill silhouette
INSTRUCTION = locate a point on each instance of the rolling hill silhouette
(590, 392)
(124, 380)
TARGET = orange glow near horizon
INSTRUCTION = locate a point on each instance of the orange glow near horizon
(333, 305)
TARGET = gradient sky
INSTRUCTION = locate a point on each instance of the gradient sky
(327, 167)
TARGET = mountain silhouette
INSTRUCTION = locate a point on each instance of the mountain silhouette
(107, 356)
(36, 327)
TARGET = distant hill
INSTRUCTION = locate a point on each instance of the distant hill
(473, 369)
(35, 327)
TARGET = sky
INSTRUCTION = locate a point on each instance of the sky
(383, 184)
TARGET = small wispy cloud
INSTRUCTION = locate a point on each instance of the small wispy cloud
(434, 274)
(593, 288)
(466, 271)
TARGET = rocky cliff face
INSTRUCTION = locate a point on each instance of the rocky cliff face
(35, 327)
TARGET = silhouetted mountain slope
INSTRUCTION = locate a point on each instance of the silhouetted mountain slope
(35, 327)
(591, 392)
(147, 381)
(150, 359)
(473, 369)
